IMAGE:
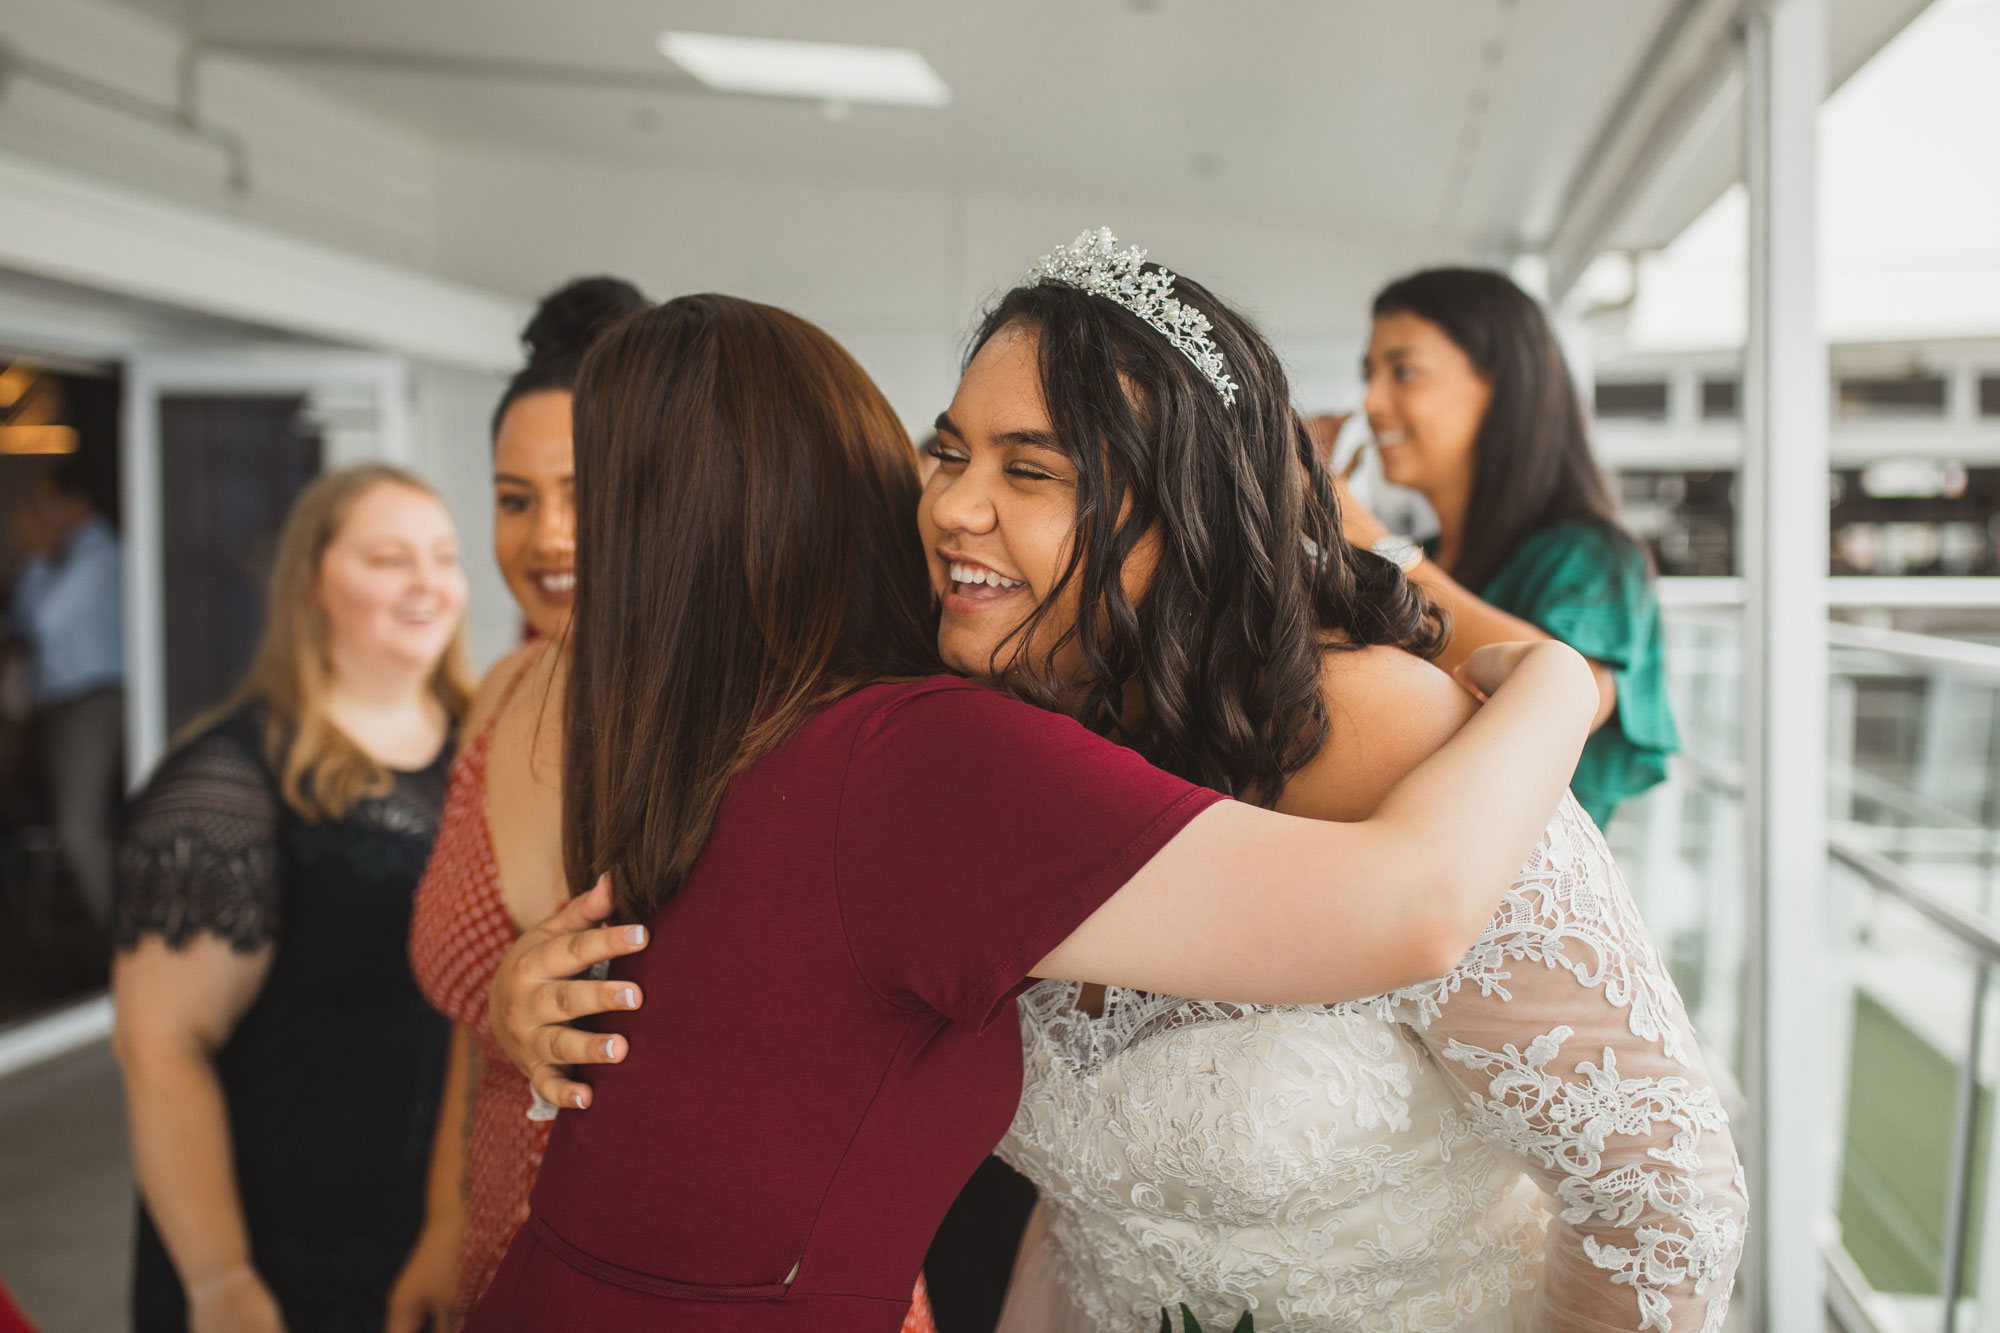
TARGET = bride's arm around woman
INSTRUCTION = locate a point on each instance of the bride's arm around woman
(1564, 1030)
(1564, 1034)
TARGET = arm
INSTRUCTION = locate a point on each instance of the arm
(1251, 905)
(197, 928)
(426, 1291)
(1036, 1301)
(175, 1008)
(1473, 623)
(1243, 903)
(1574, 1051)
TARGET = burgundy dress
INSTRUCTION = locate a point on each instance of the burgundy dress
(828, 1046)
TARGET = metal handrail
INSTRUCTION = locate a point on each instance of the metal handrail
(1978, 933)
(1954, 656)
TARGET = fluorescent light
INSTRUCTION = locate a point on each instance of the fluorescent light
(37, 440)
(822, 71)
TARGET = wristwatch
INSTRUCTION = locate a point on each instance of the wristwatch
(1398, 551)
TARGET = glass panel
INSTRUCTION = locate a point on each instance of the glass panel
(1680, 845)
(1907, 996)
(1686, 519)
(1720, 399)
(1915, 780)
(1989, 395)
(1917, 395)
(1632, 400)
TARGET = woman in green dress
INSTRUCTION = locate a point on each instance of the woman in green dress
(1471, 405)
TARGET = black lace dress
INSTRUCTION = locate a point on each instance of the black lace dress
(332, 1077)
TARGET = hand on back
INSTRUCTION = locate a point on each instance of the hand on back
(536, 996)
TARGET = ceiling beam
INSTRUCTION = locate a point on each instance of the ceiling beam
(1692, 65)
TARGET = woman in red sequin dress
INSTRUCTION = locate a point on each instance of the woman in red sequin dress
(497, 862)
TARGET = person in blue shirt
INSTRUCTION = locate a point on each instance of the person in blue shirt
(68, 611)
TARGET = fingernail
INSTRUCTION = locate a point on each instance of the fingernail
(610, 1048)
(576, 1100)
(635, 934)
(628, 998)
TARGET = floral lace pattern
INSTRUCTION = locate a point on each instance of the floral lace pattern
(1529, 1142)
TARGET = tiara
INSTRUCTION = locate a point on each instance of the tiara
(1093, 263)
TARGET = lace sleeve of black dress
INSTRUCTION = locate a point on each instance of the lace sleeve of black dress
(200, 849)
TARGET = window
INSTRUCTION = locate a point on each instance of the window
(1989, 395)
(1632, 400)
(1881, 396)
(1720, 399)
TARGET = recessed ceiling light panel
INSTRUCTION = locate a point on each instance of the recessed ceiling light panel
(821, 71)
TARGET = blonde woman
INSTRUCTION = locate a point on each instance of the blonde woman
(265, 883)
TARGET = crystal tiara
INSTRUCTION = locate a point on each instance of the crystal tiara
(1093, 263)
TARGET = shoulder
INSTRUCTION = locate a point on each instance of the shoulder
(944, 735)
(98, 541)
(218, 771)
(499, 682)
(914, 702)
(1387, 711)
(230, 743)
(1583, 545)
(1570, 562)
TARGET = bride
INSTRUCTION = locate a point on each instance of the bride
(1127, 524)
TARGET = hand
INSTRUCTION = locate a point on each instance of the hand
(425, 1292)
(1325, 431)
(534, 998)
(233, 1302)
(1357, 521)
(1487, 668)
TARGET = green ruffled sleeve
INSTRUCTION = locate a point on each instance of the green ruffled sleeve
(1592, 590)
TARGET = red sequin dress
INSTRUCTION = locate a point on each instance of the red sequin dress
(459, 931)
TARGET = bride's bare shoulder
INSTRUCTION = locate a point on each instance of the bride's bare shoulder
(1388, 711)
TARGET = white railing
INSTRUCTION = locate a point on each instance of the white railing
(1916, 845)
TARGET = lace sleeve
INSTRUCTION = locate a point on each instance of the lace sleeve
(1576, 1054)
(200, 849)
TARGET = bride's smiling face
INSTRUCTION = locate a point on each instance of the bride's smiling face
(998, 513)
(998, 516)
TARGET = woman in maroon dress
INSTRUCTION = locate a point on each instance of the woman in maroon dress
(753, 721)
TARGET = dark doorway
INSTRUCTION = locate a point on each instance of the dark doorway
(230, 468)
(61, 728)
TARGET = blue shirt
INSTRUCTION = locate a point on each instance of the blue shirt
(68, 607)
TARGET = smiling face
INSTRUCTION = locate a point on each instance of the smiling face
(534, 508)
(998, 513)
(390, 585)
(998, 520)
(1426, 400)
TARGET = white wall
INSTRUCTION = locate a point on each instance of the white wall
(315, 167)
(454, 408)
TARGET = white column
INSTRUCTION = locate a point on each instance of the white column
(144, 588)
(1784, 544)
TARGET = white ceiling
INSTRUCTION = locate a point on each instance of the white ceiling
(1453, 118)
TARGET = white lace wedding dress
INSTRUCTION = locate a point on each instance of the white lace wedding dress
(1530, 1143)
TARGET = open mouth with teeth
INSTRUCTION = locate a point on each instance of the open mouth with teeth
(978, 584)
(558, 585)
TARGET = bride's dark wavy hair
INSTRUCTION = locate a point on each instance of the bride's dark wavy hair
(1254, 581)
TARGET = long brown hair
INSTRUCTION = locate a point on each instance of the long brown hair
(746, 552)
(321, 771)
(1532, 466)
(1255, 582)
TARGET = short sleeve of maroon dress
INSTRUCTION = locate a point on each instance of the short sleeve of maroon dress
(975, 834)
